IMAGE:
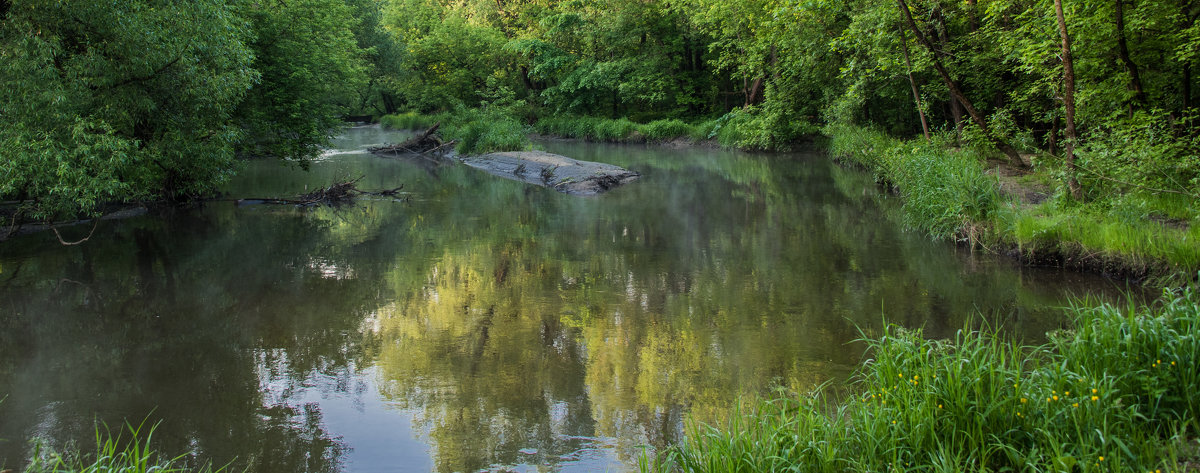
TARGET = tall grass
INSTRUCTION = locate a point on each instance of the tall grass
(620, 130)
(114, 454)
(587, 128)
(663, 130)
(948, 193)
(1117, 394)
(1138, 247)
(484, 130)
(408, 121)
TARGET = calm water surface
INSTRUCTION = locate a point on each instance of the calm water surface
(478, 323)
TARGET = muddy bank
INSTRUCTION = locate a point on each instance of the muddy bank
(566, 175)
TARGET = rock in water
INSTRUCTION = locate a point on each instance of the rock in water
(561, 173)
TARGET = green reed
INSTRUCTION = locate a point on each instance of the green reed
(1115, 394)
(113, 454)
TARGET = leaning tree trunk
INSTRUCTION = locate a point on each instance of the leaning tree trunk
(1068, 100)
(913, 83)
(957, 93)
(1135, 79)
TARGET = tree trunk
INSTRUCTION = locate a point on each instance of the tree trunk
(956, 111)
(389, 103)
(529, 86)
(957, 93)
(774, 64)
(913, 83)
(1068, 100)
(752, 93)
(972, 15)
(1135, 79)
(1053, 138)
(1187, 86)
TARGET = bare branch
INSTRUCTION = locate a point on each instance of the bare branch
(66, 243)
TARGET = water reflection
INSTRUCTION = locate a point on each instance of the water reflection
(480, 323)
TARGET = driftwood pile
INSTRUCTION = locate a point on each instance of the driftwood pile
(424, 143)
(338, 193)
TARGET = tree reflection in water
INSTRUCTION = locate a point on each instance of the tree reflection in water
(513, 324)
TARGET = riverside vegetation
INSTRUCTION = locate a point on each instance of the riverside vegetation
(1116, 393)
(1058, 130)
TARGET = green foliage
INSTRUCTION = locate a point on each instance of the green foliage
(408, 121)
(305, 52)
(1151, 359)
(613, 130)
(946, 193)
(661, 130)
(978, 402)
(451, 61)
(114, 454)
(134, 101)
(94, 113)
(588, 128)
(385, 58)
(484, 130)
(1131, 243)
(1146, 153)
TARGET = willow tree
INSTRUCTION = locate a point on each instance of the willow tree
(106, 101)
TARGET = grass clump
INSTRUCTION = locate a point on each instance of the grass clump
(485, 130)
(663, 130)
(946, 193)
(613, 130)
(114, 454)
(1116, 394)
(588, 128)
(408, 121)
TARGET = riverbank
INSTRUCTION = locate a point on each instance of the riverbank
(1115, 394)
(949, 192)
(957, 193)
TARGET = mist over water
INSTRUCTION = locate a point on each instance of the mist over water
(478, 323)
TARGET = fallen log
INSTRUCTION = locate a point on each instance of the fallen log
(336, 194)
(425, 143)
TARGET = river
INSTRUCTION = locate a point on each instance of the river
(477, 323)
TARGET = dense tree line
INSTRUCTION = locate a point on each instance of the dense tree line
(119, 101)
(154, 99)
(1112, 80)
